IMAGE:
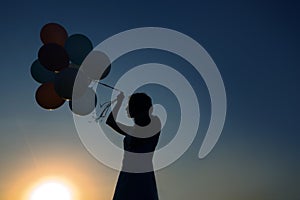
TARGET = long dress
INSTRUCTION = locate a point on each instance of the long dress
(137, 186)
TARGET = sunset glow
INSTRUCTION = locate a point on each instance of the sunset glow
(50, 190)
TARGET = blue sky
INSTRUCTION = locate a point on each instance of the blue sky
(255, 45)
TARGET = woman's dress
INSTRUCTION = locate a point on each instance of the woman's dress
(138, 154)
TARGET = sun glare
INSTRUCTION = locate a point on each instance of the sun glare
(51, 190)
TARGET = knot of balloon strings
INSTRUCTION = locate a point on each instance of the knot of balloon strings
(104, 107)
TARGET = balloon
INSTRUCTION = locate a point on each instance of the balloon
(53, 57)
(65, 81)
(78, 47)
(96, 65)
(53, 33)
(40, 73)
(47, 98)
(85, 104)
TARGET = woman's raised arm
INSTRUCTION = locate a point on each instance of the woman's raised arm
(118, 127)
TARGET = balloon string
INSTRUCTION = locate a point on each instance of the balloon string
(109, 86)
(106, 85)
(106, 106)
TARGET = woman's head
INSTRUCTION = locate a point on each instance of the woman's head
(139, 105)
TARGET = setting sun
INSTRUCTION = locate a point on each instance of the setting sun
(51, 190)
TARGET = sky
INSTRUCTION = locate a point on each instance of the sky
(255, 45)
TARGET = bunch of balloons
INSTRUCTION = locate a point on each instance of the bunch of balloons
(59, 64)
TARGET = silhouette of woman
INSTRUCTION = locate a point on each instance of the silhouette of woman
(139, 145)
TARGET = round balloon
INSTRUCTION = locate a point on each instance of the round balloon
(40, 73)
(85, 104)
(78, 47)
(96, 65)
(53, 57)
(47, 98)
(53, 33)
(65, 81)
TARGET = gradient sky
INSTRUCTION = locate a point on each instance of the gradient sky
(255, 45)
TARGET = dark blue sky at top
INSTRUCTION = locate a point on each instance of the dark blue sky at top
(255, 44)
